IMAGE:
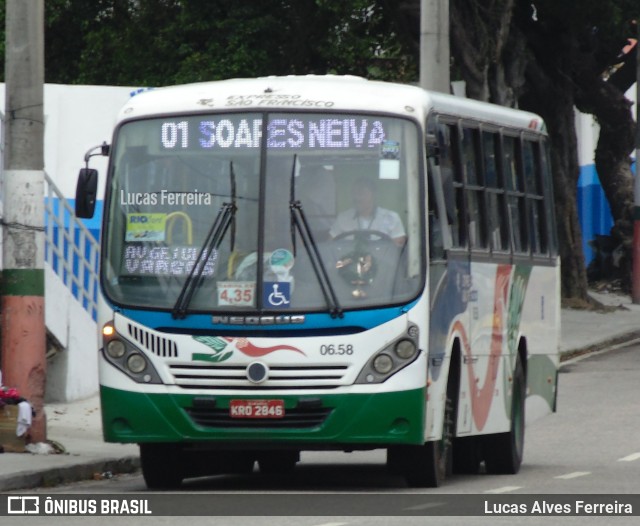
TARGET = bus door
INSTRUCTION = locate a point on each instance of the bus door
(448, 257)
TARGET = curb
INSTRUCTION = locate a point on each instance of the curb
(621, 340)
(55, 476)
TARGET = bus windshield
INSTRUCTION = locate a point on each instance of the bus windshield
(254, 212)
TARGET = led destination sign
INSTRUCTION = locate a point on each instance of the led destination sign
(285, 132)
(141, 259)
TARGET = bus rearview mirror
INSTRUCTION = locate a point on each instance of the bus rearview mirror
(86, 191)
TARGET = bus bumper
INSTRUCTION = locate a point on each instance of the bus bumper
(329, 421)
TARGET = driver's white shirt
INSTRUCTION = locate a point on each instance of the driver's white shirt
(385, 221)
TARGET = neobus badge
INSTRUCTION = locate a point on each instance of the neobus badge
(258, 320)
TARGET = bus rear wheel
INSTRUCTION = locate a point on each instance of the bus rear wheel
(161, 465)
(503, 452)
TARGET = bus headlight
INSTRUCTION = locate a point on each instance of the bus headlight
(405, 349)
(116, 349)
(390, 359)
(383, 363)
(136, 363)
(125, 356)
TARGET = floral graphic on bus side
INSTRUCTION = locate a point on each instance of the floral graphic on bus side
(224, 348)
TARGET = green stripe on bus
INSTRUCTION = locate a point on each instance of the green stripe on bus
(636, 213)
(386, 418)
(23, 282)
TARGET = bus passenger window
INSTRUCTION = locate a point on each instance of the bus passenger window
(475, 190)
(535, 198)
(515, 195)
(451, 174)
(498, 231)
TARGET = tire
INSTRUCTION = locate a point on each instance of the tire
(161, 465)
(427, 466)
(278, 462)
(466, 456)
(503, 452)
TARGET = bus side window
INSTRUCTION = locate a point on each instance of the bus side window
(515, 194)
(535, 197)
(436, 239)
(545, 174)
(498, 231)
(475, 189)
(451, 174)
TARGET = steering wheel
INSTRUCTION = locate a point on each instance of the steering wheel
(373, 236)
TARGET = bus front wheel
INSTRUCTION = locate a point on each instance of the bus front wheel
(428, 465)
(161, 465)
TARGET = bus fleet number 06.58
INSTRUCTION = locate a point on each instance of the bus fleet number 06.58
(340, 349)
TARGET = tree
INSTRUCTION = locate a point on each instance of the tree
(547, 55)
(162, 42)
(493, 53)
(573, 48)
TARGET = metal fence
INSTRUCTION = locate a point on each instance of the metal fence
(71, 249)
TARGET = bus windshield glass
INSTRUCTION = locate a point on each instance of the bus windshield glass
(254, 212)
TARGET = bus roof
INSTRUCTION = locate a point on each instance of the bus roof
(319, 93)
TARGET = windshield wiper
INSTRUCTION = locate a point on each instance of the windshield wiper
(224, 219)
(299, 223)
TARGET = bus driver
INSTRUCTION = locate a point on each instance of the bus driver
(366, 215)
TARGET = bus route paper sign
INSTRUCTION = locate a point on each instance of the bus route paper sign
(145, 227)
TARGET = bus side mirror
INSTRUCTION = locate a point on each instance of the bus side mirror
(86, 192)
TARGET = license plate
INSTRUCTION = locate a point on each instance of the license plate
(256, 409)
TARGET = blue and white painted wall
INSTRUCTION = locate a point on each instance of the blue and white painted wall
(593, 209)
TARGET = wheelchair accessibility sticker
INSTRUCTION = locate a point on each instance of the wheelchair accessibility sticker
(277, 294)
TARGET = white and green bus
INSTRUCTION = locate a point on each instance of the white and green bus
(324, 263)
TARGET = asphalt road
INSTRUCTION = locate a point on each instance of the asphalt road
(587, 450)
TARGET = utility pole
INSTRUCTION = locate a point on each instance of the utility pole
(434, 45)
(23, 325)
(635, 278)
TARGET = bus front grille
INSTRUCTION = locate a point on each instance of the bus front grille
(197, 376)
(293, 418)
(152, 342)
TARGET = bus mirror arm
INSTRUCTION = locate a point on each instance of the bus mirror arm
(104, 151)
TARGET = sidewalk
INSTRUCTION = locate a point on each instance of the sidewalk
(77, 426)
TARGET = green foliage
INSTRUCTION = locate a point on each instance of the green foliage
(600, 27)
(162, 42)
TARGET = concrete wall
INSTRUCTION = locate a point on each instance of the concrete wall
(72, 372)
(76, 119)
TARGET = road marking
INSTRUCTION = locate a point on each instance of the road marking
(503, 489)
(630, 458)
(333, 524)
(573, 475)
